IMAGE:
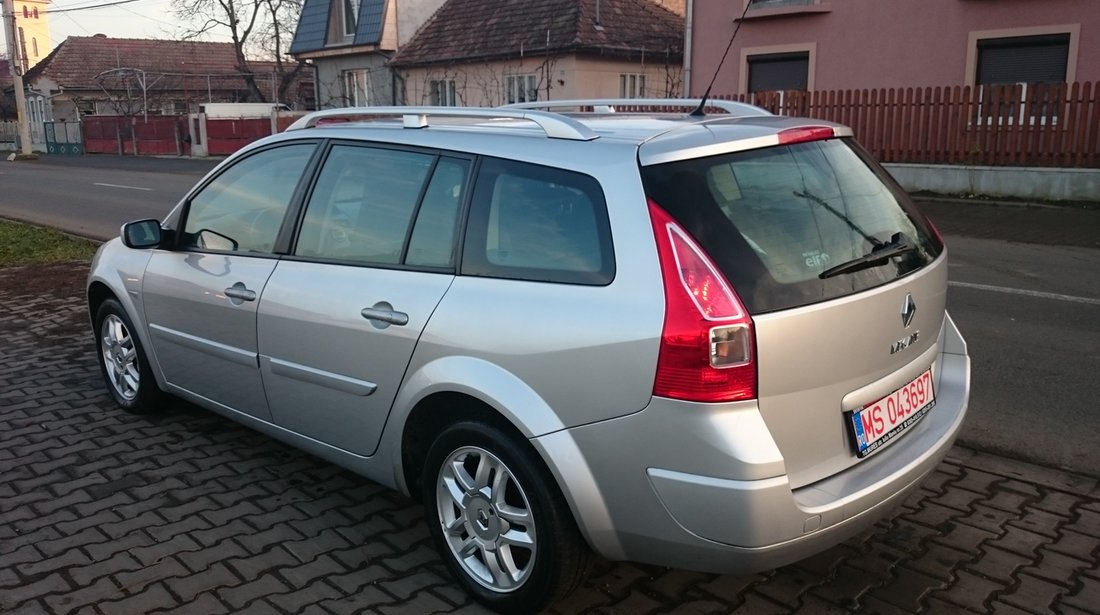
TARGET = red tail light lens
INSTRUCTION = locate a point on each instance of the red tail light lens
(707, 344)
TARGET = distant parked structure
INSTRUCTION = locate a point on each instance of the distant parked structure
(98, 75)
(350, 42)
(487, 52)
(490, 52)
(851, 44)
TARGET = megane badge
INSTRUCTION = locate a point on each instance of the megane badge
(908, 310)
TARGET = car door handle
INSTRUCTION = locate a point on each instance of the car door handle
(384, 313)
(240, 292)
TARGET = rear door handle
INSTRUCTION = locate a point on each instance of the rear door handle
(382, 315)
(240, 292)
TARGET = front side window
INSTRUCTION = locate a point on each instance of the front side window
(242, 210)
(520, 88)
(530, 222)
(775, 220)
(363, 205)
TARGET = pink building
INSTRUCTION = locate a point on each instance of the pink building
(848, 44)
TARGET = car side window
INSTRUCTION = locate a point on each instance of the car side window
(432, 241)
(243, 208)
(363, 204)
(538, 223)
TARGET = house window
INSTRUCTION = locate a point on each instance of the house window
(443, 93)
(351, 13)
(631, 86)
(1023, 59)
(356, 87)
(34, 46)
(85, 107)
(177, 107)
(779, 71)
(520, 88)
(26, 13)
(35, 12)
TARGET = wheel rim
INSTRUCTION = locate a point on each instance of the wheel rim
(486, 519)
(119, 357)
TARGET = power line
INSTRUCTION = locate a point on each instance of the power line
(88, 8)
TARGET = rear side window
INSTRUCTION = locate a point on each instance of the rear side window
(775, 219)
(537, 223)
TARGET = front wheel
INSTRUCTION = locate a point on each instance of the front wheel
(497, 519)
(122, 360)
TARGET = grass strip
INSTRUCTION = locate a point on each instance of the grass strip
(26, 244)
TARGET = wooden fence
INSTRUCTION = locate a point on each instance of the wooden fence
(1056, 125)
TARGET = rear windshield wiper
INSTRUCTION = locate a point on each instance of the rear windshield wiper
(899, 244)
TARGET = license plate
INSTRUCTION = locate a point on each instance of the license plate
(876, 424)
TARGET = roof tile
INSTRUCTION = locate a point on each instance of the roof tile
(77, 61)
(471, 30)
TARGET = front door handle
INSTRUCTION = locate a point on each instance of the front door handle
(240, 292)
(382, 315)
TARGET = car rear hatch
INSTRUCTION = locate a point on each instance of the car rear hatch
(844, 279)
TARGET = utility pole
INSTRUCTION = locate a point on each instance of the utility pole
(11, 32)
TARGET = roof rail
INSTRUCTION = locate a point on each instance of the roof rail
(607, 105)
(555, 126)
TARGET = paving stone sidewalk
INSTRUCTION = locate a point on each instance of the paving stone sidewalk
(185, 512)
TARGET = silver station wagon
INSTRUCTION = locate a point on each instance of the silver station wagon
(715, 342)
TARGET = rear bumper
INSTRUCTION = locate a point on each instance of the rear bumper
(703, 486)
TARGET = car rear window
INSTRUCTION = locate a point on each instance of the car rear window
(774, 219)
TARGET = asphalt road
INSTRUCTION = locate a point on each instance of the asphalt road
(1031, 317)
(1030, 311)
(93, 196)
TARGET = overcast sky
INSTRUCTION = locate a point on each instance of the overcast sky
(137, 19)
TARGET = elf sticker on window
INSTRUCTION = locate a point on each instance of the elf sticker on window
(816, 259)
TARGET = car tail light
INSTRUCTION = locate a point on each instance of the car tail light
(805, 133)
(707, 344)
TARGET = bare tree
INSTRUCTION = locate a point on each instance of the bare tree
(133, 92)
(275, 34)
(263, 26)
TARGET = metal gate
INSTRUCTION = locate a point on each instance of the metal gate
(64, 138)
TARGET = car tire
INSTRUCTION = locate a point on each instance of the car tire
(122, 361)
(498, 520)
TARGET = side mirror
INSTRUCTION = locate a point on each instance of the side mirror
(142, 234)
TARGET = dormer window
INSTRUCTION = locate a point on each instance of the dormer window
(351, 12)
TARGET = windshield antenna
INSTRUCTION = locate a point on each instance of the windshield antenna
(703, 103)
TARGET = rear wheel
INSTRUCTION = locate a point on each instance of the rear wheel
(122, 361)
(498, 520)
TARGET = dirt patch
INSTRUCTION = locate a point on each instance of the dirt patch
(54, 279)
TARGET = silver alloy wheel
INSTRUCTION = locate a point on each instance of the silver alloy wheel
(120, 357)
(486, 519)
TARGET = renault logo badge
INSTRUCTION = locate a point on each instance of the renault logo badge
(908, 310)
